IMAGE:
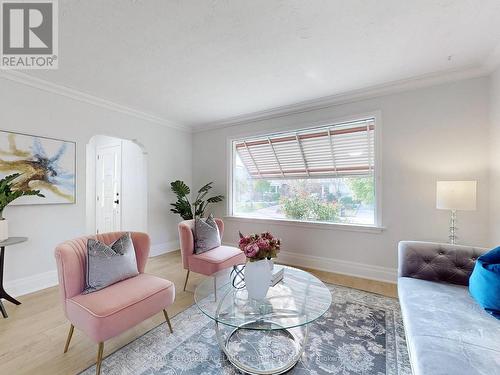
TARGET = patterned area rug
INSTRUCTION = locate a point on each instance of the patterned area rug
(362, 333)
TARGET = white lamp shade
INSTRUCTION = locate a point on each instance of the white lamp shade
(456, 195)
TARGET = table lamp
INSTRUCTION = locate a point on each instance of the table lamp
(455, 196)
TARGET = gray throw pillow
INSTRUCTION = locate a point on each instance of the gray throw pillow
(108, 264)
(206, 235)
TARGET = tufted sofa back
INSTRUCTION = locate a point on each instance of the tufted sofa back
(71, 259)
(437, 262)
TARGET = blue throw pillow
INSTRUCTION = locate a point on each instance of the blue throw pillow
(484, 283)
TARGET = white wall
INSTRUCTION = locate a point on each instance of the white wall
(28, 110)
(495, 158)
(433, 133)
(134, 202)
(428, 134)
(133, 199)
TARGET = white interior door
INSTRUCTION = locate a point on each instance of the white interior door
(108, 188)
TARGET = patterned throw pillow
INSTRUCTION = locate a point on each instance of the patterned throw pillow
(206, 235)
(108, 264)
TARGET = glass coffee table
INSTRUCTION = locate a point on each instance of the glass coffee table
(265, 336)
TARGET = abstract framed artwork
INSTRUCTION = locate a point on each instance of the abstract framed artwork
(44, 164)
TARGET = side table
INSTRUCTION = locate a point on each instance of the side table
(3, 294)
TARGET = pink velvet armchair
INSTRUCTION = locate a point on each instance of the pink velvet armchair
(210, 261)
(108, 312)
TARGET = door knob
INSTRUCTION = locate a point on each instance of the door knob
(117, 201)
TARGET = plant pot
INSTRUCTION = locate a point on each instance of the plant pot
(258, 278)
(4, 230)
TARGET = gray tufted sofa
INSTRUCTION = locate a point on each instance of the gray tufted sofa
(446, 331)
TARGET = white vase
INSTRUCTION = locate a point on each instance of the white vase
(4, 230)
(257, 278)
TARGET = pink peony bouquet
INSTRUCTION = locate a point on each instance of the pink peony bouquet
(259, 246)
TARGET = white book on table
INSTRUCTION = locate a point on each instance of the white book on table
(278, 273)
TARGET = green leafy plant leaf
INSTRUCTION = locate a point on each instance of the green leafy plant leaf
(205, 188)
(217, 198)
(9, 193)
(184, 208)
(180, 188)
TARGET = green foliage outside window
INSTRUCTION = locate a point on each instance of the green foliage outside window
(296, 207)
(363, 189)
(309, 208)
(326, 211)
(262, 186)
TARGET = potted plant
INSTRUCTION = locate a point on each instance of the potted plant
(259, 250)
(9, 193)
(184, 207)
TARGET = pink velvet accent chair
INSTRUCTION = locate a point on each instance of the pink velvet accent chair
(108, 312)
(210, 261)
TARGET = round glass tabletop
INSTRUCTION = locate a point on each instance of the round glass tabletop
(298, 299)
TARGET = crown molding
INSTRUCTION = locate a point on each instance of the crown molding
(468, 72)
(67, 92)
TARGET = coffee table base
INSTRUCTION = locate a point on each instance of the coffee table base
(298, 347)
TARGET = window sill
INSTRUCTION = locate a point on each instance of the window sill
(309, 225)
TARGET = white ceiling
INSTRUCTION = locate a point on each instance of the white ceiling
(197, 62)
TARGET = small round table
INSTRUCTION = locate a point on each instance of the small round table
(3, 294)
(267, 336)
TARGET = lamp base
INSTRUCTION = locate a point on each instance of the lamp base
(452, 237)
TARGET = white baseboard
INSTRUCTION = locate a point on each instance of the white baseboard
(344, 267)
(31, 284)
(163, 248)
(47, 279)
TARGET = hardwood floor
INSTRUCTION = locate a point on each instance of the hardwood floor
(32, 338)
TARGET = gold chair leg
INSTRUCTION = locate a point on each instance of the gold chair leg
(168, 321)
(99, 358)
(186, 282)
(70, 335)
(215, 288)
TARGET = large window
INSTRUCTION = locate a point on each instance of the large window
(325, 174)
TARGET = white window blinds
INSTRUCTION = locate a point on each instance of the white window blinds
(339, 150)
